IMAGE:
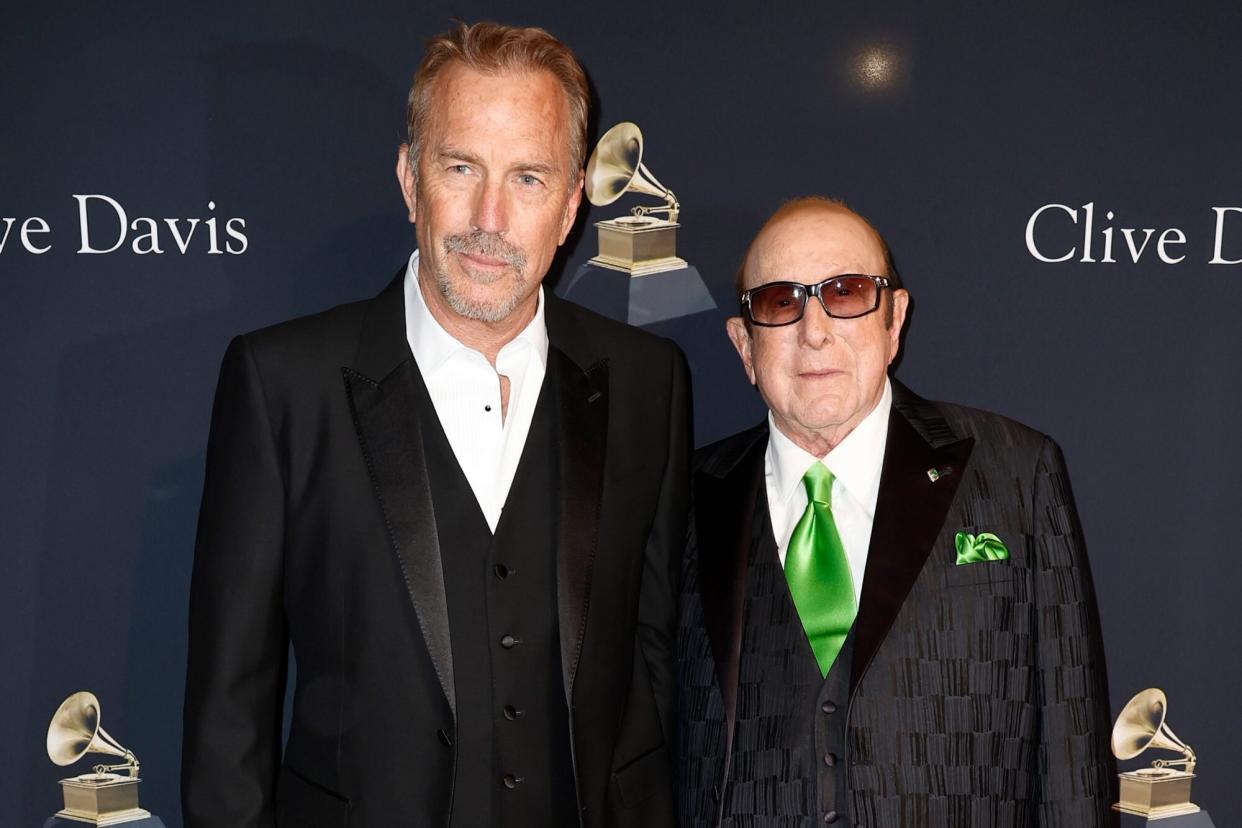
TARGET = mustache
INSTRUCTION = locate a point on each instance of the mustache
(491, 245)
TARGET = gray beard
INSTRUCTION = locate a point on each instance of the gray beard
(493, 246)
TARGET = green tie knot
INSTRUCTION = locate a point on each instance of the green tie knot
(818, 482)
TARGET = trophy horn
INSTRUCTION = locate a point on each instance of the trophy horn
(1142, 725)
(616, 167)
(75, 731)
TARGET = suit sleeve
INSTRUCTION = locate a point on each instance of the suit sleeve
(661, 583)
(1077, 769)
(237, 638)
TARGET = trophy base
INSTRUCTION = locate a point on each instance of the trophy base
(1156, 793)
(101, 799)
(641, 269)
(115, 818)
(638, 245)
(66, 822)
(1159, 812)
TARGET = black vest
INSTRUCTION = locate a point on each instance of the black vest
(789, 746)
(512, 742)
(789, 755)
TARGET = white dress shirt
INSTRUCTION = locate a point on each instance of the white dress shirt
(465, 390)
(855, 464)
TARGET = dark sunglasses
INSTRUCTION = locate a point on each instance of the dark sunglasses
(847, 296)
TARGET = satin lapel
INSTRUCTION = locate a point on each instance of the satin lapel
(910, 511)
(725, 526)
(582, 402)
(385, 414)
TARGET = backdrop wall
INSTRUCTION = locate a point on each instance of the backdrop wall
(277, 127)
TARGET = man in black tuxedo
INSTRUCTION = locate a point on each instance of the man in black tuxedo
(462, 502)
(888, 617)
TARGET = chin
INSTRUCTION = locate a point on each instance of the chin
(830, 407)
(831, 416)
(484, 305)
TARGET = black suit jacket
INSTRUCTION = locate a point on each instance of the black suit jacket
(317, 528)
(977, 692)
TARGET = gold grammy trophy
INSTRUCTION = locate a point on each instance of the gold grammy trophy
(1158, 791)
(101, 797)
(638, 244)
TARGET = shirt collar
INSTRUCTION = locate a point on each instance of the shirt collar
(433, 346)
(856, 461)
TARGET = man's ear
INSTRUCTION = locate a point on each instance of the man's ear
(739, 335)
(571, 207)
(901, 303)
(405, 178)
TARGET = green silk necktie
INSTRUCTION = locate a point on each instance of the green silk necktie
(818, 572)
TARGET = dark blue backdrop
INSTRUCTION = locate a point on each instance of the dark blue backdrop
(289, 118)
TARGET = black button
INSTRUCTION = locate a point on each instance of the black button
(487, 408)
(508, 642)
(512, 713)
(830, 817)
(828, 707)
(511, 781)
(444, 738)
(501, 571)
(830, 759)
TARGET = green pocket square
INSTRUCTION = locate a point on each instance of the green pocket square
(982, 547)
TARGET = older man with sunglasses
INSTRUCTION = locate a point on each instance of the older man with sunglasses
(887, 616)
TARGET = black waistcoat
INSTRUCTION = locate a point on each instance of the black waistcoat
(789, 746)
(512, 741)
(789, 755)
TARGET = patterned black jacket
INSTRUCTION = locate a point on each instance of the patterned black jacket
(978, 694)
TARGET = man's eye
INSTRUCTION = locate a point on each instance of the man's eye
(528, 180)
(460, 169)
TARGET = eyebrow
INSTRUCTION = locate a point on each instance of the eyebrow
(449, 153)
(542, 167)
(538, 167)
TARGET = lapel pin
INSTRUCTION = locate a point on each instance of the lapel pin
(934, 474)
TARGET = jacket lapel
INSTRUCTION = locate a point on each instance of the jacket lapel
(580, 392)
(910, 511)
(384, 390)
(728, 496)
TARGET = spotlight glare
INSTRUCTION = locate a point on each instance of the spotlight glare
(876, 67)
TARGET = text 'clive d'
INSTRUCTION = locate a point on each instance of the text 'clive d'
(1060, 233)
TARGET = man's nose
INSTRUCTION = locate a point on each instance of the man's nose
(816, 326)
(491, 214)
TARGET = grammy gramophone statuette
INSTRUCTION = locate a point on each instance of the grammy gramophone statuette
(641, 244)
(102, 797)
(1162, 791)
(638, 244)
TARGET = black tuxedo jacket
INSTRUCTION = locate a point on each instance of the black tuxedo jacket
(317, 528)
(978, 694)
